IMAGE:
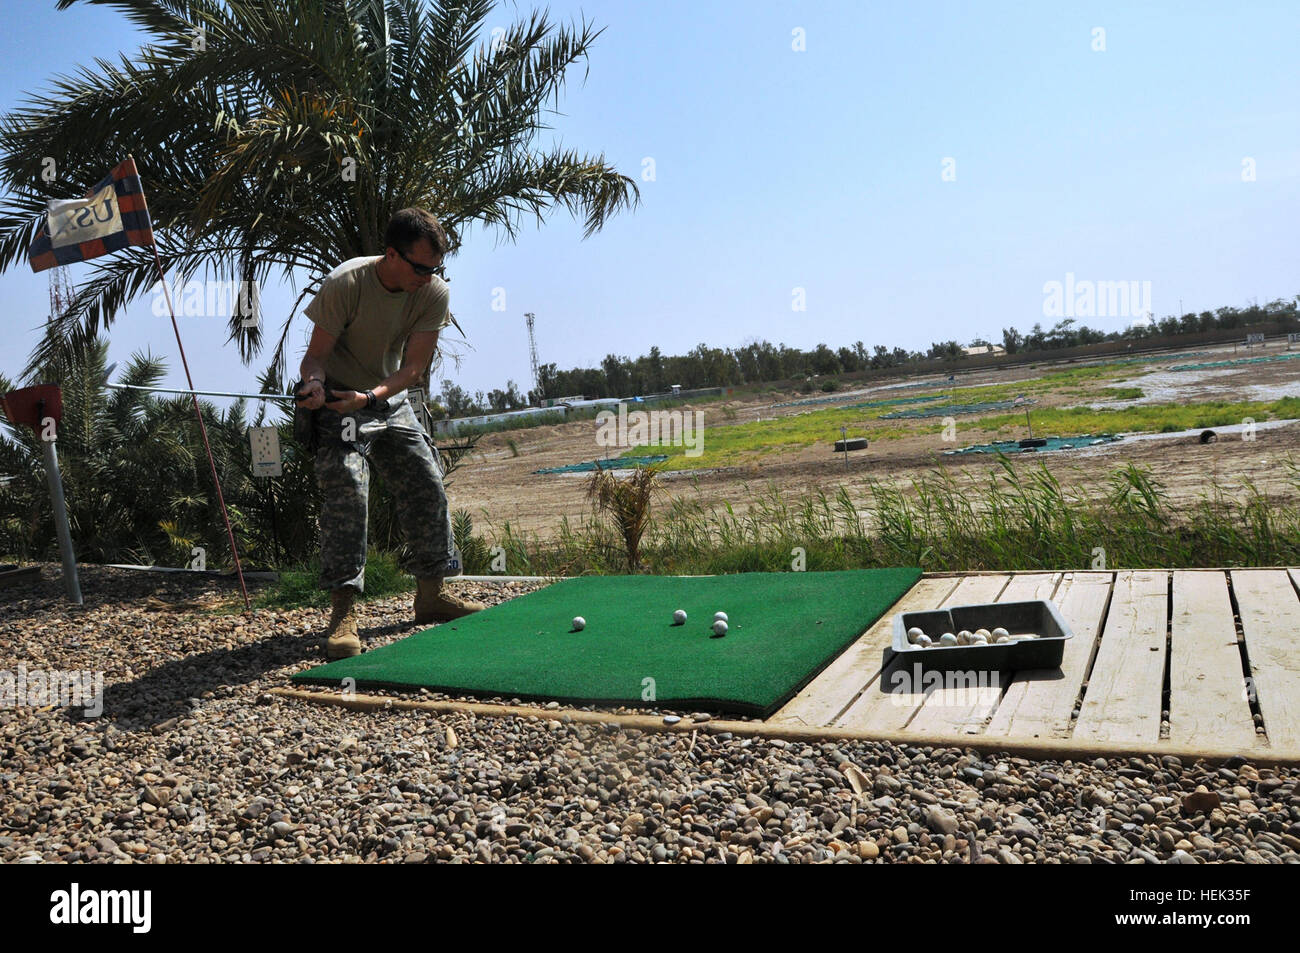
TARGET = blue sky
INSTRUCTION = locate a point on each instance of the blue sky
(822, 169)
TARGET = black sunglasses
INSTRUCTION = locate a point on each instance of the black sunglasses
(419, 269)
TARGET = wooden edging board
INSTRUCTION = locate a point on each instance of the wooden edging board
(1039, 748)
(9, 577)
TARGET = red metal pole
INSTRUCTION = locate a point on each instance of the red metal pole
(230, 534)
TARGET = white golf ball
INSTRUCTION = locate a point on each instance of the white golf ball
(963, 638)
(720, 617)
(579, 623)
(978, 640)
(965, 633)
(719, 628)
(986, 633)
(923, 641)
(999, 631)
(947, 639)
(679, 617)
(914, 633)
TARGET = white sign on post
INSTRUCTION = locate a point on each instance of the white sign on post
(1253, 339)
(265, 442)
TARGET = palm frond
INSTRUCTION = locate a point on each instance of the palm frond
(284, 136)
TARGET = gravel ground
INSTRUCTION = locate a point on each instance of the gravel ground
(192, 761)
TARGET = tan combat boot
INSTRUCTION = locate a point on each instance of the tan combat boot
(341, 640)
(434, 605)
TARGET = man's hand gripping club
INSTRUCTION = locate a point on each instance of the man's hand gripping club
(311, 395)
(311, 392)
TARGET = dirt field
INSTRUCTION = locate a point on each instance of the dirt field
(495, 486)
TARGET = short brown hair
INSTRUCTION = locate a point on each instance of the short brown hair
(410, 225)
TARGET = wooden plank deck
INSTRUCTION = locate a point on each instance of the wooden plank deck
(1124, 692)
(1143, 640)
(1205, 665)
(964, 709)
(1040, 702)
(1270, 619)
(855, 670)
(889, 705)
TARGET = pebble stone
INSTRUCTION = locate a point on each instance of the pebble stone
(185, 766)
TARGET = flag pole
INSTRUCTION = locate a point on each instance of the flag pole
(203, 430)
(134, 228)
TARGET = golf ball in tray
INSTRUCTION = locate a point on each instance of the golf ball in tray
(918, 638)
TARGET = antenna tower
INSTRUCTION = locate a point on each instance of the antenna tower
(532, 350)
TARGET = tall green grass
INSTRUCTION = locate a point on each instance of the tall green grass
(299, 586)
(1010, 519)
(1007, 519)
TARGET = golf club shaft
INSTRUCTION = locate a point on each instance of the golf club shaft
(201, 393)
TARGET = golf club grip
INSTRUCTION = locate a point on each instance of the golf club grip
(330, 395)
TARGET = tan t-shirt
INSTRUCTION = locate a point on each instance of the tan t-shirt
(371, 322)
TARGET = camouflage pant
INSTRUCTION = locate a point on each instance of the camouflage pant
(397, 445)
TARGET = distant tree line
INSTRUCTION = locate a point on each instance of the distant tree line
(762, 361)
(1069, 333)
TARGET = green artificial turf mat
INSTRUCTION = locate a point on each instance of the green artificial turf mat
(784, 629)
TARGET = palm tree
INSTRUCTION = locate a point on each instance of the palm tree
(284, 134)
(135, 476)
(109, 447)
(627, 505)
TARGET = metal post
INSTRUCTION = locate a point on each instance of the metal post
(275, 530)
(61, 522)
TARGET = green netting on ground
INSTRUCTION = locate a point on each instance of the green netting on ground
(809, 402)
(614, 463)
(1237, 361)
(1159, 357)
(871, 403)
(953, 410)
(897, 400)
(1053, 443)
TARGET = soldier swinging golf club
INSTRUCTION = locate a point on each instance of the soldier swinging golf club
(354, 413)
